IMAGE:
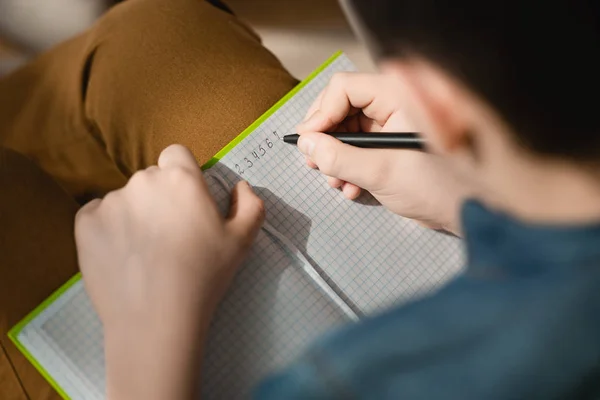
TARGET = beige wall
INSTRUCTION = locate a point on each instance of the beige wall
(302, 33)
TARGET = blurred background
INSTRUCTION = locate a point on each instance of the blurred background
(302, 33)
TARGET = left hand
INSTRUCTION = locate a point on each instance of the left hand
(156, 258)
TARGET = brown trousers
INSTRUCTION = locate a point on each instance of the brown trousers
(77, 121)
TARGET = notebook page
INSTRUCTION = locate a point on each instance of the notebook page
(372, 257)
(66, 341)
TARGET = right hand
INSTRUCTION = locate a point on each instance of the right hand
(413, 184)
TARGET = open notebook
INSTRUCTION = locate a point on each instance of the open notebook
(320, 261)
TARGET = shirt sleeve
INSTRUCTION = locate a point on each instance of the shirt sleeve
(299, 381)
(465, 342)
(359, 357)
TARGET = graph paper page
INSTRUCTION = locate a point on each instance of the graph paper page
(320, 262)
(371, 256)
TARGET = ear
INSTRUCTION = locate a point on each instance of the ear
(435, 103)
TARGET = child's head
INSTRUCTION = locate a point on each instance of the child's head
(529, 70)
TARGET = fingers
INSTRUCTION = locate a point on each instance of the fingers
(362, 167)
(90, 206)
(310, 163)
(352, 124)
(347, 94)
(368, 125)
(350, 190)
(86, 227)
(178, 156)
(334, 182)
(246, 214)
(82, 218)
(315, 105)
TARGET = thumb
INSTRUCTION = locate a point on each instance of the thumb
(367, 168)
(246, 214)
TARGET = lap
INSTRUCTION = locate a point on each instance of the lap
(150, 73)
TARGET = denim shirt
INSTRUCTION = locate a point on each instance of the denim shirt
(522, 322)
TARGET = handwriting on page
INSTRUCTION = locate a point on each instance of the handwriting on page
(256, 155)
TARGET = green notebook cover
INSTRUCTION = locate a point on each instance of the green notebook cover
(13, 334)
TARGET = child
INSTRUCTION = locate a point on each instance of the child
(503, 92)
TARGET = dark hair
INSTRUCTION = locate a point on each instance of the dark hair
(536, 62)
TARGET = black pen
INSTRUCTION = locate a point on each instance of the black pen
(405, 140)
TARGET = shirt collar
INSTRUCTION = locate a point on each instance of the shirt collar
(495, 239)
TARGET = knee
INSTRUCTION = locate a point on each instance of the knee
(148, 52)
(177, 71)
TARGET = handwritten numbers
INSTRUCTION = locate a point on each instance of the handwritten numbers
(256, 155)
